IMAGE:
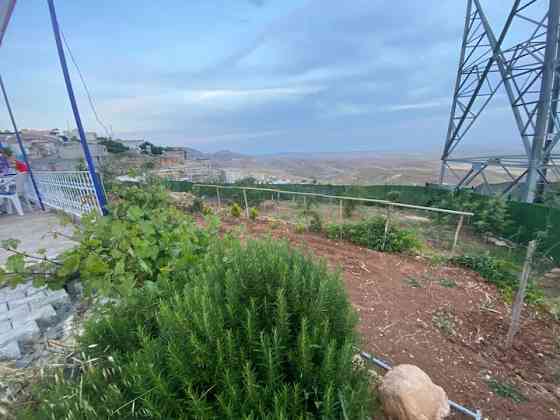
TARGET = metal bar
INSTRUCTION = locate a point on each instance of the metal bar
(488, 66)
(513, 184)
(20, 142)
(367, 200)
(499, 60)
(101, 199)
(451, 127)
(536, 156)
(464, 180)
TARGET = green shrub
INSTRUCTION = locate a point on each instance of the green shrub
(393, 196)
(143, 239)
(315, 222)
(197, 205)
(253, 213)
(348, 208)
(260, 331)
(300, 227)
(370, 233)
(499, 272)
(235, 210)
(490, 213)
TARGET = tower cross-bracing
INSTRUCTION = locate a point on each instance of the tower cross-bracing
(527, 72)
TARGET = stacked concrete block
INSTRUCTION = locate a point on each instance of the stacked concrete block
(25, 312)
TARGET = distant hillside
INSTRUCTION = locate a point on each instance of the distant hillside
(226, 155)
(222, 155)
(195, 154)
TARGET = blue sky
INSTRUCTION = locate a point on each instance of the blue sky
(254, 76)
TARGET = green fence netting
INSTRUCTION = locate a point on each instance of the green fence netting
(528, 220)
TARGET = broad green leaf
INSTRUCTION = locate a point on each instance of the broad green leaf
(10, 243)
(15, 263)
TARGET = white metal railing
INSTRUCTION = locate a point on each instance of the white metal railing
(72, 192)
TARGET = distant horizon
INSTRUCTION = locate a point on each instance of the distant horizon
(432, 151)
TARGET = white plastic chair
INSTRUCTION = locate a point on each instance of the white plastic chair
(21, 181)
(8, 195)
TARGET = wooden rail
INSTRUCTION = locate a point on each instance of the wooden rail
(339, 197)
(390, 204)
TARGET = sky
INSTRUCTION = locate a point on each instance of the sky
(252, 76)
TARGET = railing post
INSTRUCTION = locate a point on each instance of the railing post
(520, 297)
(457, 232)
(246, 205)
(101, 199)
(218, 195)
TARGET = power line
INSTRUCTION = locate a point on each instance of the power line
(84, 84)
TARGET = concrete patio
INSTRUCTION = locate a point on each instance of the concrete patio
(35, 231)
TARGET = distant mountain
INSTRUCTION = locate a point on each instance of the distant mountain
(222, 155)
(226, 155)
(195, 154)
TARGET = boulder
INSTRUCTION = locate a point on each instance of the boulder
(408, 393)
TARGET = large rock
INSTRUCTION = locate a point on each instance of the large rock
(408, 393)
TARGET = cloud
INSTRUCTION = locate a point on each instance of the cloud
(416, 106)
(251, 95)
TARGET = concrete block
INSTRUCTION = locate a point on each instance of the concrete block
(10, 351)
(31, 291)
(44, 314)
(17, 292)
(24, 332)
(7, 295)
(56, 298)
(19, 312)
(39, 298)
(5, 326)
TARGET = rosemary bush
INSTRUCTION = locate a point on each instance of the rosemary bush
(259, 331)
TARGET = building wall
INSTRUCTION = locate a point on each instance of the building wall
(74, 151)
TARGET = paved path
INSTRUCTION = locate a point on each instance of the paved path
(34, 230)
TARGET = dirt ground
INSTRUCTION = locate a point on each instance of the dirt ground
(446, 320)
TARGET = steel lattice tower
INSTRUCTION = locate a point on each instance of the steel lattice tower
(529, 73)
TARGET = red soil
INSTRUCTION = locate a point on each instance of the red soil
(453, 333)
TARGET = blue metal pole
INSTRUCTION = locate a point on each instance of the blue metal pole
(18, 137)
(91, 166)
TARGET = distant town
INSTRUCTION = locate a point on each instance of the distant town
(58, 150)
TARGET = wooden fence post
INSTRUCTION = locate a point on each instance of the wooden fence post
(520, 297)
(457, 232)
(387, 223)
(246, 205)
